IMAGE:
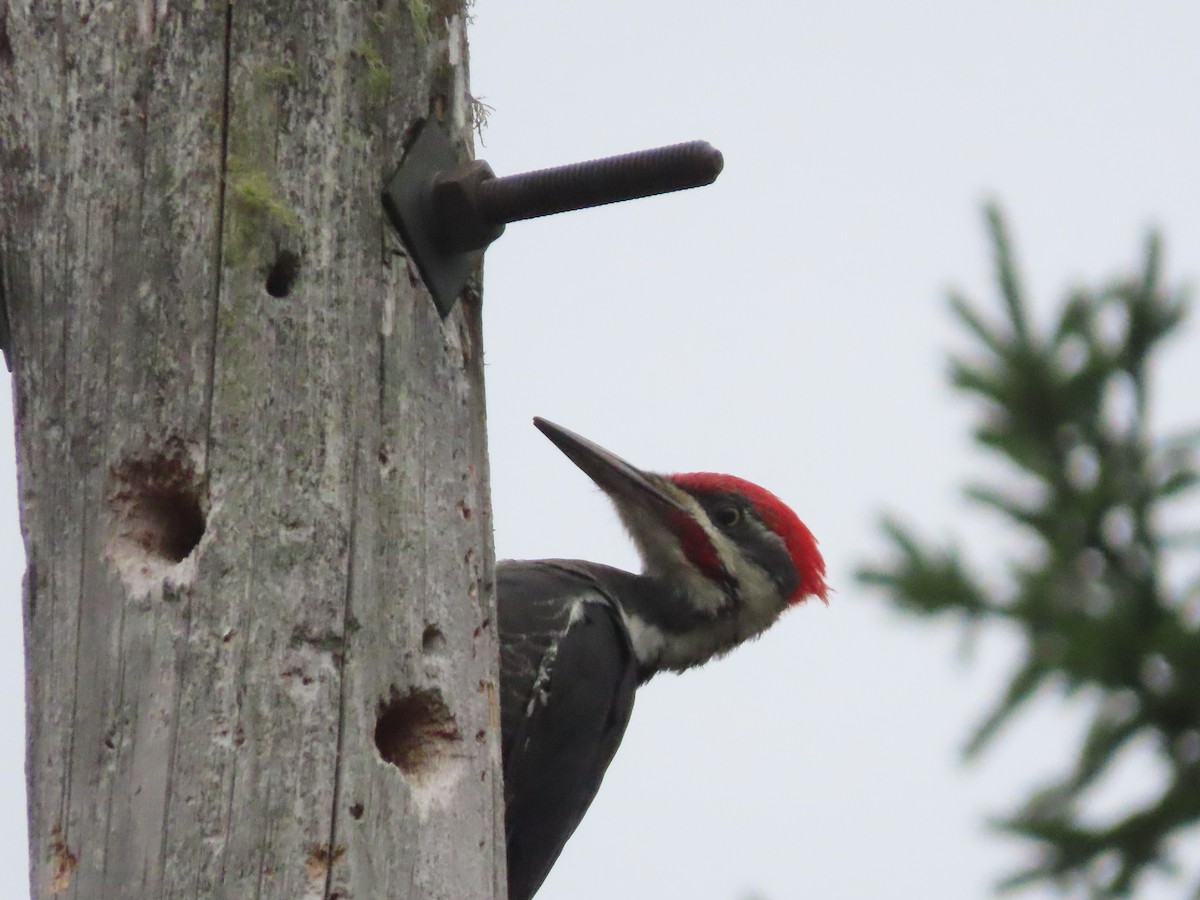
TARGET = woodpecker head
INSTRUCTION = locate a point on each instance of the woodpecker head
(725, 556)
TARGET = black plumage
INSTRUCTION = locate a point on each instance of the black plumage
(567, 683)
(722, 557)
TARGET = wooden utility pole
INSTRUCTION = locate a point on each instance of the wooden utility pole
(253, 475)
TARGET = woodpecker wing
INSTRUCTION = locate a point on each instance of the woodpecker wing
(568, 677)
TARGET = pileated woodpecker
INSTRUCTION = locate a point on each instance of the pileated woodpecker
(722, 559)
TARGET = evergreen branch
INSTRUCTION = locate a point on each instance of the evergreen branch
(1021, 688)
(1077, 319)
(1177, 483)
(1105, 738)
(974, 379)
(1152, 267)
(975, 324)
(1091, 605)
(1006, 274)
(1032, 518)
(925, 581)
(1071, 849)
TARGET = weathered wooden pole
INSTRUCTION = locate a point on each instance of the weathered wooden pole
(252, 459)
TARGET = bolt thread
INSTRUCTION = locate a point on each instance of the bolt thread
(599, 181)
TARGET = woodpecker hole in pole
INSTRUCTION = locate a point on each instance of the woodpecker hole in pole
(157, 510)
(282, 274)
(433, 641)
(416, 733)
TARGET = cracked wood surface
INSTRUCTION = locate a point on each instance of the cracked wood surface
(252, 458)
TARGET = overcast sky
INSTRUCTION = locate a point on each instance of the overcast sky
(788, 325)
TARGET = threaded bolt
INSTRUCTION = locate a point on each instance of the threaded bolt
(470, 206)
(599, 181)
(448, 213)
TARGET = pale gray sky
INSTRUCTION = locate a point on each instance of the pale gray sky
(788, 325)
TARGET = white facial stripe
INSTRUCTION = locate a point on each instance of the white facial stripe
(718, 627)
(663, 554)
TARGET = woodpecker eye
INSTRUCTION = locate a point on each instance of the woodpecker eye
(728, 516)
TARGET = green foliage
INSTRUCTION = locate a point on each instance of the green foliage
(1092, 602)
(421, 13)
(255, 204)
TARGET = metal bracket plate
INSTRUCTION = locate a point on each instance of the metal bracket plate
(409, 204)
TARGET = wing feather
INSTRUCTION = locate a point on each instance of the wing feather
(567, 685)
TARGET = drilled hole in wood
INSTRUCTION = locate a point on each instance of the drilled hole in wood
(416, 733)
(283, 274)
(158, 513)
(157, 517)
(157, 510)
(432, 640)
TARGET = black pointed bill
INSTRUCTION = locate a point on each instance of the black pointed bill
(616, 477)
(629, 488)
